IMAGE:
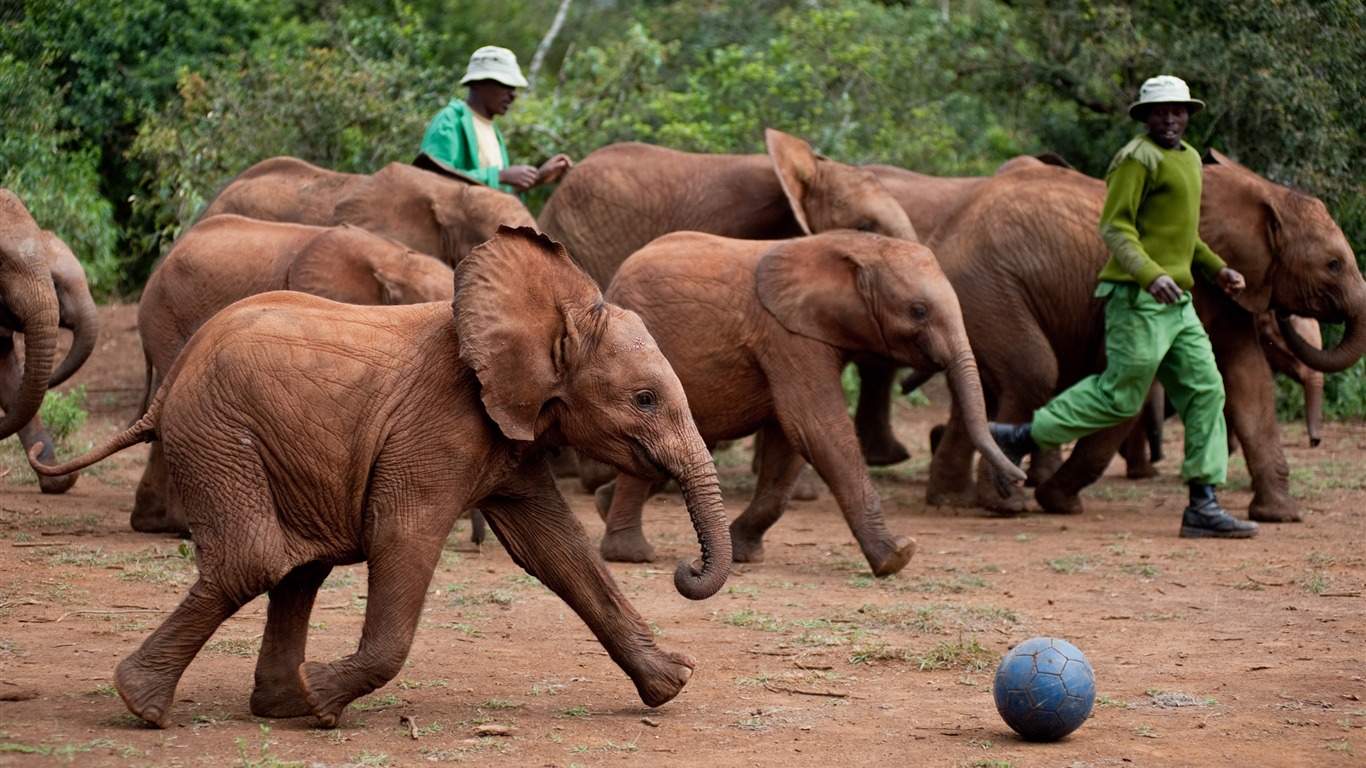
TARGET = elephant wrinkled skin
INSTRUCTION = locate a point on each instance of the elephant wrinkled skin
(759, 331)
(302, 434)
(1023, 252)
(426, 211)
(42, 288)
(225, 258)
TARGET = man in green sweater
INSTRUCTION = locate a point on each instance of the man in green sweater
(1150, 222)
(463, 137)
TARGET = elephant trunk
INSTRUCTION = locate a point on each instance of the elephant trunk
(1313, 406)
(78, 314)
(966, 384)
(1339, 358)
(34, 304)
(696, 476)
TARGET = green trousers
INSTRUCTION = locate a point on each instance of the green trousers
(1145, 339)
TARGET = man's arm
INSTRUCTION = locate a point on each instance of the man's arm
(1124, 187)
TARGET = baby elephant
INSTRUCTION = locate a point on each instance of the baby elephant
(225, 258)
(759, 331)
(303, 434)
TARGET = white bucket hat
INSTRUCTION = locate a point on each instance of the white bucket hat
(494, 63)
(1165, 89)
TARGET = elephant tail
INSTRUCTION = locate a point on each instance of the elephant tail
(141, 431)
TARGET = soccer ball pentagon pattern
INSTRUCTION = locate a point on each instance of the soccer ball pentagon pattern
(1045, 688)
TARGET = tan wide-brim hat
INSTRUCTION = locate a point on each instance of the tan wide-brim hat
(494, 63)
(1164, 89)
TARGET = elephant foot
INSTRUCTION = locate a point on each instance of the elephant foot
(808, 487)
(626, 547)
(893, 558)
(1057, 501)
(1142, 471)
(882, 450)
(144, 692)
(663, 680)
(746, 547)
(59, 484)
(987, 498)
(939, 498)
(1287, 511)
(279, 700)
(157, 518)
(326, 699)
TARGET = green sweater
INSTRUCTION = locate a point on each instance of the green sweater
(1151, 218)
(450, 139)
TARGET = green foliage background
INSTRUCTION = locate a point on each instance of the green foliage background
(119, 121)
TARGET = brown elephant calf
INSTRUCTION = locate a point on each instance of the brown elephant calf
(303, 434)
(759, 331)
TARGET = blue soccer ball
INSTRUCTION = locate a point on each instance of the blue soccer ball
(1045, 688)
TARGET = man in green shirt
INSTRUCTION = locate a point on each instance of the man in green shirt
(464, 138)
(1151, 224)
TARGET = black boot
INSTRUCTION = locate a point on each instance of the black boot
(1204, 518)
(1014, 440)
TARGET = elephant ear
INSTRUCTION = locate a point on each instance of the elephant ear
(519, 303)
(823, 287)
(795, 163)
(336, 265)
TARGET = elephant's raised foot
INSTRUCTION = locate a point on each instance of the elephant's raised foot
(890, 563)
(745, 548)
(882, 450)
(143, 692)
(59, 484)
(626, 547)
(665, 679)
(326, 699)
(276, 700)
(1056, 501)
(808, 487)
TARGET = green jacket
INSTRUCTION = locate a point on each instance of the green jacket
(1151, 219)
(451, 140)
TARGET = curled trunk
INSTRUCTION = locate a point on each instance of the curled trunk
(696, 476)
(1339, 358)
(82, 318)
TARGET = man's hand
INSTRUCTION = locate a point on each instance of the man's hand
(519, 177)
(1165, 290)
(1230, 281)
(554, 168)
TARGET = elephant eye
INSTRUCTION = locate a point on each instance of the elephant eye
(1335, 266)
(646, 400)
(920, 312)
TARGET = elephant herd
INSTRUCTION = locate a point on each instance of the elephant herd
(339, 365)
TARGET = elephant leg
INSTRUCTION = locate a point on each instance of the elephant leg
(277, 692)
(1250, 407)
(147, 679)
(624, 539)
(950, 482)
(397, 585)
(807, 487)
(873, 418)
(34, 432)
(156, 507)
(779, 467)
(1090, 457)
(543, 536)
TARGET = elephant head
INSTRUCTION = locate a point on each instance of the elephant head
(430, 213)
(28, 305)
(557, 364)
(826, 195)
(1294, 256)
(352, 265)
(883, 296)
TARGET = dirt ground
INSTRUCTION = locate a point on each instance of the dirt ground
(1205, 652)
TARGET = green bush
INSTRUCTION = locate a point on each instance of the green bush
(63, 414)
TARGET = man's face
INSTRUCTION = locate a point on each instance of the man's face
(1166, 124)
(493, 96)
